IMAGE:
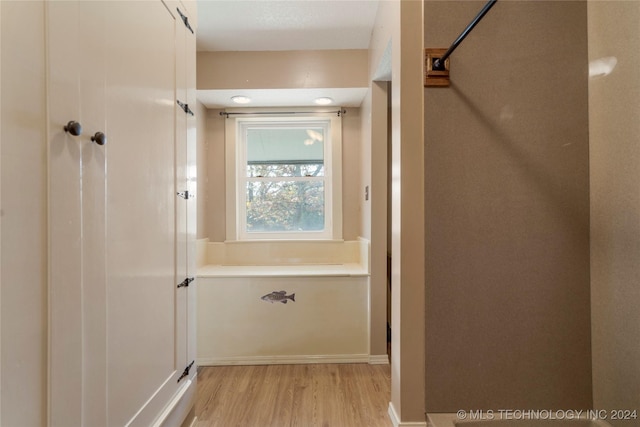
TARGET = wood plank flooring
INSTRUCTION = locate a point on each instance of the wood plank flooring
(315, 395)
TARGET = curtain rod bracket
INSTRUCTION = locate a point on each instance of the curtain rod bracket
(437, 60)
(436, 74)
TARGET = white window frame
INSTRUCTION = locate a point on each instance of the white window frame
(236, 179)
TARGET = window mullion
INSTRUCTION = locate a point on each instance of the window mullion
(284, 178)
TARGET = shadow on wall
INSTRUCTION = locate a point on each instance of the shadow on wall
(559, 195)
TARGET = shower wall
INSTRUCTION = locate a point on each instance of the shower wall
(507, 209)
(614, 108)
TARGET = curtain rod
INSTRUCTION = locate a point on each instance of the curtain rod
(438, 63)
(338, 112)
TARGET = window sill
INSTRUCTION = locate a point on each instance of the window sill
(285, 241)
(283, 258)
(308, 270)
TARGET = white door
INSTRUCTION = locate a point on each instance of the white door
(186, 167)
(118, 319)
(77, 227)
(192, 216)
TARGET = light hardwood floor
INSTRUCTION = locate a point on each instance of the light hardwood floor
(315, 395)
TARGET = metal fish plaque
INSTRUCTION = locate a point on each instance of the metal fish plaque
(278, 296)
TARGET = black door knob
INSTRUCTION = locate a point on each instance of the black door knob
(99, 138)
(73, 127)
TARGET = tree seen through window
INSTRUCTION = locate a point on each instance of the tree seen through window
(285, 180)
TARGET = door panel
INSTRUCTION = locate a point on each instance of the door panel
(181, 183)
(91, 69)
(141, 279)
(65, 213)
(192, 179)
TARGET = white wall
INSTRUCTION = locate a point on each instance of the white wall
(326, 323)
(23, 216)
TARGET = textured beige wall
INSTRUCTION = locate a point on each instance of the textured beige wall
(507, 210)
(215, 217)
(614, 108)
(282, 69)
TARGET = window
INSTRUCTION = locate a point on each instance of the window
(287, 177)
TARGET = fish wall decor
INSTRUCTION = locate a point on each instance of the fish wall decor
(278, 296)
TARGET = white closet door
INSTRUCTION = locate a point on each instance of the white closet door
(77, 167)
(185, 181)
(117, 336)
(192, 179)
(181, 182)
(143, 331)
(186, 219)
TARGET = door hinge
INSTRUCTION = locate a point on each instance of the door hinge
(185, 194)
(185, 283)
(185, 108)
(185, 20)
(185, 373)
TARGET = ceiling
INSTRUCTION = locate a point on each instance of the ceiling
(258, 25)
(239, 25)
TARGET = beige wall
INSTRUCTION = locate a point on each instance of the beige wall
(373, 215)
(202, 155)
(407, 231)
(282, 69)
(23, 213)
(352, 192)
(215, 212)
(398, 26)
(507, 209)
(365, 163)
(394, 112)
(614, 108)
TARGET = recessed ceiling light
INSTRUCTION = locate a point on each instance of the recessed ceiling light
(323, 101)
(239, 99)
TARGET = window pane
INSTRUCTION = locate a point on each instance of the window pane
(274, 170)
(291, 151)
(285, 206)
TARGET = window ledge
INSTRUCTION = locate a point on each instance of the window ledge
(283, 258)
(306, 270)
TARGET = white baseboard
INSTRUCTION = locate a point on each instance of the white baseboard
(393, 415)
(177, 409)
(283, 360)
(378, 359)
